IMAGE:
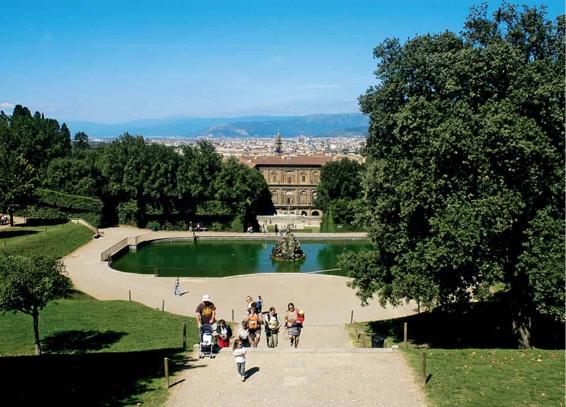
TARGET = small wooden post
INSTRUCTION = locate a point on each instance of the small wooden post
(163, 305)
(405, 334)
(166, 369)
(232, 315)
(424, 366)
(352, 317)
(184, 335)
(155, 272)
(130, 295)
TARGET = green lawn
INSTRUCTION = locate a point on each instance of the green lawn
(471, 355)
(118, 345)
(492, 377)
(57, 240)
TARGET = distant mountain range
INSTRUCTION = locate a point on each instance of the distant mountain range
(317, 125)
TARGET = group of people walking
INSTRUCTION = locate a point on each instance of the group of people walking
(249, 330)
(254, 318)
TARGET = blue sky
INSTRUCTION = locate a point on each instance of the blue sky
(113, 61)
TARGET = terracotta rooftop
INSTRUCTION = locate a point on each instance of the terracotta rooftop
(254, 161)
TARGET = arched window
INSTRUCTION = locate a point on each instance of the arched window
(315, 213)
(315, 177)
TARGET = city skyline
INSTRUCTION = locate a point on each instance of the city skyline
(113, 62)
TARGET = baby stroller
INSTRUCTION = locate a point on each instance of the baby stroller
(206, 342)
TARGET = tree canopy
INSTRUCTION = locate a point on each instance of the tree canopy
(137, 180)
(465, 166)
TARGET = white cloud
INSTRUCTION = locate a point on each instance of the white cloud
(324, 86)
(6, 105)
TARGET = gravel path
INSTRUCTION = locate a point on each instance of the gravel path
(284, 378)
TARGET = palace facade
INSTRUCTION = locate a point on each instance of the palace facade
(292, 181)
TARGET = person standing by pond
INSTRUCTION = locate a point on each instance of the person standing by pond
(272, 326)
(291, 325)
(177, 289)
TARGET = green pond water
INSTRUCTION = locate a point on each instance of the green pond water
(213, 258)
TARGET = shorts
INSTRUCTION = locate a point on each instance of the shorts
(254, 332)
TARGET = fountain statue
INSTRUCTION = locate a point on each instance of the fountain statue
(287, 248)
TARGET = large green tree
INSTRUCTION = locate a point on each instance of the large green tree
(340, 179)
(465, 166)
(28, 284)
(18, 178)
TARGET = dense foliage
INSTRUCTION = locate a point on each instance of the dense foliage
(465, 166)
(339, 195)
(129, 180)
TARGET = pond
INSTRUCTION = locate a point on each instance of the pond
(221, 258)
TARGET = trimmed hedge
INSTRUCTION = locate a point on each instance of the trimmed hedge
(61, 200)
(58, 206)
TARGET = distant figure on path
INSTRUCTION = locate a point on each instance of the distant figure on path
(276, 229)
(177, 289)
(259, 304)
(239, 353)
(205, 312)
(272, 326)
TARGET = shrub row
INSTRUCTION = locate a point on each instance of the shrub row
(61, 200)
(34, 213)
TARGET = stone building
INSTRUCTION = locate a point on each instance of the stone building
(292, 181)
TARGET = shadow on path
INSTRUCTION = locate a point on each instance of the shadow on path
(251, 372)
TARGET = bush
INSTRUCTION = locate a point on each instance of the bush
(153, 225)
(213, 208)
(327, 225)
(237, 225)
(217, 227)
(127, 213)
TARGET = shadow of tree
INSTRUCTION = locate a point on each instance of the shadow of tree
(476, 325)
(95, 379)
(6, 234)
(75, 341)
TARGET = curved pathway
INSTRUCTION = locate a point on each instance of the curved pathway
(327, 300)
(324, 371)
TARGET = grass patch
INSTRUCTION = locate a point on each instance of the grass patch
(97, 353)
(56, 240)
(492, 377)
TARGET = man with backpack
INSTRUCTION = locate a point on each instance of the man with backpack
(254, 321)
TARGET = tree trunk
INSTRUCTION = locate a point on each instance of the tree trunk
(11, 212)
(521, 311)
(522, 325)
(35, 316)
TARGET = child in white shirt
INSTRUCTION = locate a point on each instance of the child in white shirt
(240, 355)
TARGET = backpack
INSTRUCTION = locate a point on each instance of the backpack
(272, 322)
(252, 322)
